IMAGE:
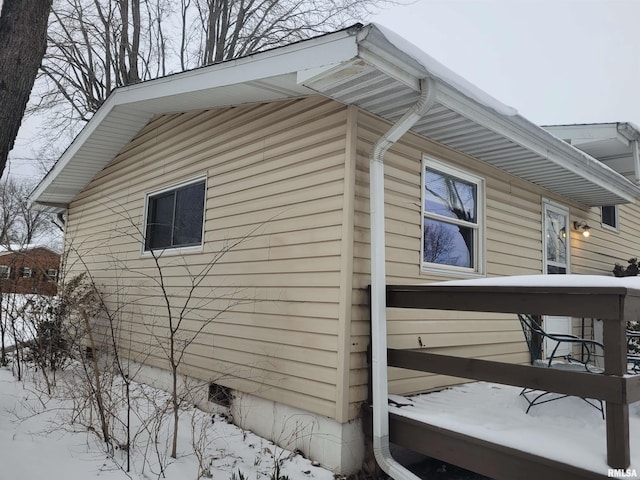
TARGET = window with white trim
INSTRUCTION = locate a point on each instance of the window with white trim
(609, 216)
(452, 217)
(175, 216)
(52, 274)
(5, 271)
(25, 272)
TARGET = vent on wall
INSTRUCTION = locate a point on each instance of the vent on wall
(220, 395)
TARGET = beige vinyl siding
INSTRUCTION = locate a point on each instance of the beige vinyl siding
(513, 232)
(513, 246)
(598, 253)
(275, 183)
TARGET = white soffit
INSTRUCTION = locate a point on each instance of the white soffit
(386, 84)
(610, 143)
(358, 66)
(261, 77)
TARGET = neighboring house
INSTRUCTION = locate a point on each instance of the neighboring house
(29, 270)
(271, 153)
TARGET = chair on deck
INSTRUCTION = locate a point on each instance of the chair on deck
(633, 359)
(535, 335)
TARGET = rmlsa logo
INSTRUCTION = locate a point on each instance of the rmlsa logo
(622, 473)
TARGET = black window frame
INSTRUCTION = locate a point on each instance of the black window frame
(167, 236)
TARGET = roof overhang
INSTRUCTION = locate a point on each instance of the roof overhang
(614, 144)
(364, 66)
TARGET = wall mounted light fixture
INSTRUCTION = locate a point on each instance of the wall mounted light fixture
(583, 228)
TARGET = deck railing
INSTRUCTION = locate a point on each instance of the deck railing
(614, 305)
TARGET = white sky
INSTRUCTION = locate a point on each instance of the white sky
(555, 61)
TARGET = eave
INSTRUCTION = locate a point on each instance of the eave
(614, 144)
(356, 66)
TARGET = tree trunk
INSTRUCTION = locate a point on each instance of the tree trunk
(23, 41)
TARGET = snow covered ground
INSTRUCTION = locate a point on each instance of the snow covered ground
(568, 430)
(36, 443)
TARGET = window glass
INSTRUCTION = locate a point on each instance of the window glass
(175, 217)
(188, 218)
(160, 220)
(610, 216)
(451, 234)
(447, 244)
(556, 237)
(5, 271)
(449, 196)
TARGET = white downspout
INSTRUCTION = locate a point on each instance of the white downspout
(378, 282)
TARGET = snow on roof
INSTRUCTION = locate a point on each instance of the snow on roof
(16, 247)
(439, 70)
(571, 280)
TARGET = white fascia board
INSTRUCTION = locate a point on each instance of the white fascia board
(629, 131)
(541, 142)
(588, 133)
(315, 53)
(73, 148)
(387, 63)
(584, 132)
(376, 50)
(408, 58)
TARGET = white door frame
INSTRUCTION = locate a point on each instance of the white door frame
(560, 235)
(552, 207)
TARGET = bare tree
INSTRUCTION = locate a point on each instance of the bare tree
(9, 212)
(19, 224)
(98, 45)
(23, 26)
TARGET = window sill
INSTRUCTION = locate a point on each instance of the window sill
(170, 252)
(609, 228)
(451, 273)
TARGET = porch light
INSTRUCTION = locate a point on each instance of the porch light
(583, 228)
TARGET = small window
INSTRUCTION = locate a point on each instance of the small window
(175, 217)
(452, 215)
(52, 274)
(25, 272)
(5, 271)
(610, 216)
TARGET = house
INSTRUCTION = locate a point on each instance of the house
(258, 172)
(29, 269)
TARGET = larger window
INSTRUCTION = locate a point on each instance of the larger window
(452, 214)
(174, 217)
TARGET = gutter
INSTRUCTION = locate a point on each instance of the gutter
(379, 380)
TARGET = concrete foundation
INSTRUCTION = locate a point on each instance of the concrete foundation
(339, 447)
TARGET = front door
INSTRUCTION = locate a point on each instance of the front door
(556, 262)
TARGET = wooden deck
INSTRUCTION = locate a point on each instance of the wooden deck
(615, 305)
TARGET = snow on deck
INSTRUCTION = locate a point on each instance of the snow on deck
(592, 281)
(567, 430)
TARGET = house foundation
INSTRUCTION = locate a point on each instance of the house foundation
(339, 447)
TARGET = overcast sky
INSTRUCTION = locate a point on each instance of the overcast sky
(555, 61)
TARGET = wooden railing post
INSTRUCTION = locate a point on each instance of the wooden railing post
(617, 414)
